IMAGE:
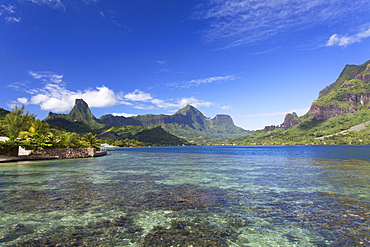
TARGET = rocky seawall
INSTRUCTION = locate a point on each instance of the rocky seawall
(55, 153)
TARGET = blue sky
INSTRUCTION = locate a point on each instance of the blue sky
(254, 60)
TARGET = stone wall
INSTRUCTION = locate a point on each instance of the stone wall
(9, 151)
(64, 153)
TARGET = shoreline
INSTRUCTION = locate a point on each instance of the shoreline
(5, 159)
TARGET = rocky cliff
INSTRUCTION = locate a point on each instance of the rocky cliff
(222, 119)
(290, 120)
(349, 94)
(349, 72)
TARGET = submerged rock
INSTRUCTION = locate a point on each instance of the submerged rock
(182, 198)
(182, 233)
(115, 232)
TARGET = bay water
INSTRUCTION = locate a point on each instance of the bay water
(191, 196)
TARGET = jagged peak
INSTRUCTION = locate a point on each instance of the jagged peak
(189, 109)
(223, 118)
(80, 103)
(348, 73)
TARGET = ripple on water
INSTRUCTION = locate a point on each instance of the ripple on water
(134, 203)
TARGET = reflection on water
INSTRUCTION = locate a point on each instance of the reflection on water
(190, 196)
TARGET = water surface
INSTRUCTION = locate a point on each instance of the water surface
(191, 196)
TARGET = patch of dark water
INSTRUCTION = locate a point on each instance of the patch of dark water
(341, 221)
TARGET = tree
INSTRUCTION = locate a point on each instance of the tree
(69, 140)
(38, 135)
(17, 121)
(90, 139)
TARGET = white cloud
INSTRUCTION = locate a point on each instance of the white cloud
(57, 98)
(143, 107)
(194, 102)
(138, 95)
(22, 100)
(123, 114)
(21, 86)
(240, 22)
(12, 19)
(336, 40)
(146, 99)
(198, 82)
(226, 107)
(54, 96)
(10, 9)
(210, 80)
(46, 76)
(53, 3)
(161, 62)
(9, 13)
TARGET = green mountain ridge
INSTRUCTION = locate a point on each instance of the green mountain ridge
(187, 123)
(332, 118)
(80, 117)
(149, 136)
(349, 72)
(3, 113)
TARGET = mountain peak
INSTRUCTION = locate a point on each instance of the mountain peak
(222, 119)
(189, 109)
(79, 113)
(80, 103)
(348, 73)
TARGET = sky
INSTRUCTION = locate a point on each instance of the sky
(254, 60)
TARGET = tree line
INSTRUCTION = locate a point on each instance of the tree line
(23, 129)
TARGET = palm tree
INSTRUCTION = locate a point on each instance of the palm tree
(17, 121)
(38, 135)
(91, 139)
(70, 140)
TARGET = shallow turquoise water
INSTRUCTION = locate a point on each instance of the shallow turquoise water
(191, 196)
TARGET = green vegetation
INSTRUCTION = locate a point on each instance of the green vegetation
(79, 119)
(77, 126)
(126, 143)
(3, 113)
(340, 115)
(188, 123)
(328, 122)
(308, 132)
(349, 72)
(146, 136)
(58, 131)
(33, 134)
(338, 96)
(191, 125)
(16, 121)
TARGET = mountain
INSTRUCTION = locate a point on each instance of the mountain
(79, 119)
(290, 120)
(110, 121)
(349, 72)
(188, 123)
(350, 93)
(338, 116)
(150, 136)
(3, 113)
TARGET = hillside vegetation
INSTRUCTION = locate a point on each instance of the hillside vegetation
(339, 116)
(186, 124)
